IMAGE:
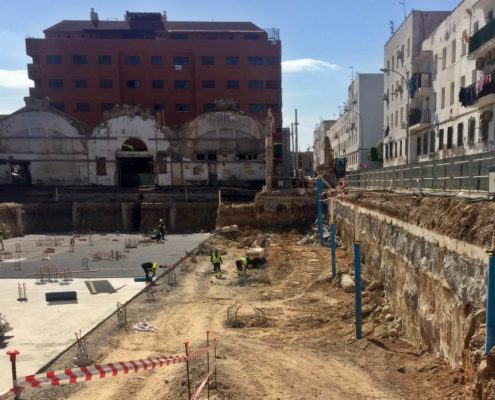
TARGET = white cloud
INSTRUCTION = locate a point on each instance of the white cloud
(307, 64)
(14, 79)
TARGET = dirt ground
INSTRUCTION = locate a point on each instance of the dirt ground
(475, 217)
(304, 349)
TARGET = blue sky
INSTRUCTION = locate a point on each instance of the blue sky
(321, 39)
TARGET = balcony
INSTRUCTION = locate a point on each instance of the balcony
(424, 83)
(419, 119)
(486, 96)
(482, 41)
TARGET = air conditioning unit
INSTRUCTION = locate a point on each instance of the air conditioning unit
(385, 97)
(480, 63)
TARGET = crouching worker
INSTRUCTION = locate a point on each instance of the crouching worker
(149, 269)
(241, 265)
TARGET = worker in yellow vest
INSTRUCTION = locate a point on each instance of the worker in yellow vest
(149, 269)
(216, 260)
(241, 264)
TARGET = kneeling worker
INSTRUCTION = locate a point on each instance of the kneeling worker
(216, 260)
(150, 270)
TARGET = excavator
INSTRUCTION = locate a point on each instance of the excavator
(333, 169)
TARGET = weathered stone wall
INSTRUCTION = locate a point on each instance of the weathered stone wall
(435, 283)
(284, 209)
(11, 220)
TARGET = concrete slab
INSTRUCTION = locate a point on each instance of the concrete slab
(31, 255)
(41, 331)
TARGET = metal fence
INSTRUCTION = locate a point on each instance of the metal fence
(464, 173)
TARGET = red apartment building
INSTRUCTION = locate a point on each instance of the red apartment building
(178, 68)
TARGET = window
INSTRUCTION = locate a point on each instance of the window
(400, 148)
(418, 146)
(444, 57)
(395, 149)
(106, 106)
(452, 94)
(79, 59)
(392, 120)
(53, 59)
(80, 83)
(104, 60)
(183, 107)
(106, 84)
(471, 130)
(463, 81)
(440, 139)
(58, 106)
(388, 67)
(157, 84)
(436, 67)
(207, 60)
(402, 55)
(255, 60)
(251, 37)
(134, 84)
(272, 84)
(256, 108)
(82, 107)
(132, 60)
(396, 118)
(208, 107)
(178, 60)
(255, 84)
(158, 107)
(408, 47)
(101, 166)
(182, 84)
(463, 43)
(272, 60)
(460, 134)
(232, 84)
(450, 137)
(432, 141)
(156, 60)
(208, 84)
(484, 123)
(425, 143)
(442, 99)
(231, 60)
(453, 55)
(401, 115)
(55, 83)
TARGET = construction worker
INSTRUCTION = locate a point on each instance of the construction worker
(241, 264)
(161, 228)
(1, 239)
(149, 269)
(216, 260)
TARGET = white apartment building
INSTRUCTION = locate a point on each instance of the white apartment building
(360, 126)
(400, 53)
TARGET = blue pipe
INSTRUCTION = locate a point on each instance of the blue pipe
(332, 249)
(319, 208)
(357, 292)
(490, 305)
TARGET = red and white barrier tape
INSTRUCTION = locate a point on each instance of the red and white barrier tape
(7, 395)
(201, 387)
(76, 375)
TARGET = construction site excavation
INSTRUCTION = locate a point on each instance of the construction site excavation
(173, 225)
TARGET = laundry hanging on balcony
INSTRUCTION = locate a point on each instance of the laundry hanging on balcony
(484, 86)
(412, 85)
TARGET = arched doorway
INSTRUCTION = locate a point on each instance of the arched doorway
(135, 164)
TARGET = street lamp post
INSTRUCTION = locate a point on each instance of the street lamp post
(361, 147)
(405, 80)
